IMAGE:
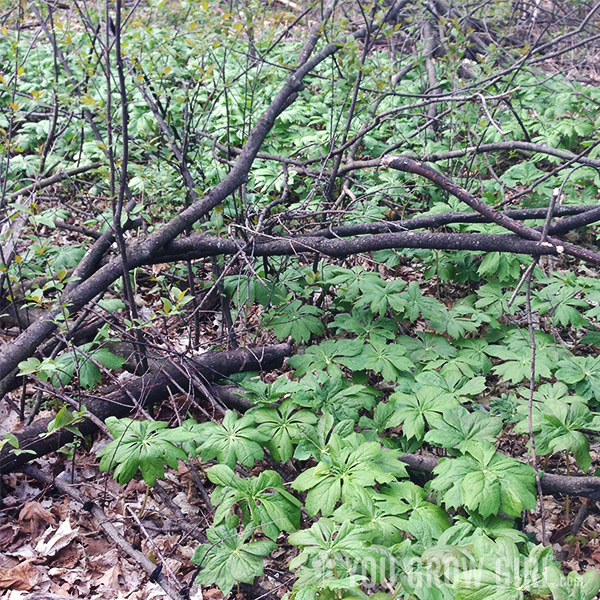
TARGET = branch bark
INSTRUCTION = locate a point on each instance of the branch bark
(409, 165)
(202, 246)
(584, 487)
(142, 391)
(29, 340)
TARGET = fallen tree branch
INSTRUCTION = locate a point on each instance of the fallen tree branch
(450, 218)
(202, 246)
(584, 487)
(409, 165)
(120, 401)
(54, 178)
(25, 345)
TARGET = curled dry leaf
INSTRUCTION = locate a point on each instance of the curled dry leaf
(23, 576)
(110, 579)
(50, 544)
(34, 517)
(7, 534)
(24, 552)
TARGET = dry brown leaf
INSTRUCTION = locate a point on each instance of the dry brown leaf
(196, 593)
(68, 557)
(134, 576)
(9, 419)
(174, 565)
(97, 546)
(97, 565)
(8, 562)
(70, 577)
(62, 509)
(110, 579)
(23, 552)
(34, 517)
(50, 543)
(23, 576)
(186, 508)
(7, 534)
(21, 491)
(156, 269)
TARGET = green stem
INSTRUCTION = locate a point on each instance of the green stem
(144, 502)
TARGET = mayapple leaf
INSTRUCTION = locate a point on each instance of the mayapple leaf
(284, 426)
(295, 319)
(345, 469)
(235, 440)
(263, 500)
(228, 558)
(459, 427)
(574, 586)
(486, 482)
(143, 445)
(415, 411)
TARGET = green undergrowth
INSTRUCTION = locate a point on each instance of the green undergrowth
(362, 523)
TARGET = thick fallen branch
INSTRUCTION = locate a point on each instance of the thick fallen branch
(409, 165)
(202, 246)
(143, 391)
(584, 487)
(449, 218)
(26, 344)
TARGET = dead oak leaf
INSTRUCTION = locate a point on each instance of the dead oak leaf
(110, 579)
(68, 557)
(34, 517)
(8, 533)
(23, 577)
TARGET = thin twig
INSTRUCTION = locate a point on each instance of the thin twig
(109, 529)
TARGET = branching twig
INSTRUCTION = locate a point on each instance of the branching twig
(171, 588)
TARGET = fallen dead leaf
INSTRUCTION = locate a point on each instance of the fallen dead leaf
(7, 534)
(23, 552)
(110, 579)
(8, 562)
(97, 546)
(196, 593)
(71, 577)
(21, 491)
(135, 577)
(62, 509)
(23, 576)
(34, 517)
(186, 508)
(50, 544)
(9, 419)
(68, 557)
